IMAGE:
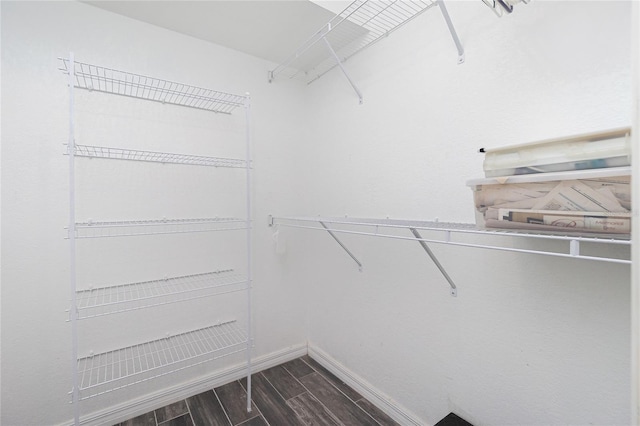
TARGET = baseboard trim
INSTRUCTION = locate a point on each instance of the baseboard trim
(366, 389)
(146, 403)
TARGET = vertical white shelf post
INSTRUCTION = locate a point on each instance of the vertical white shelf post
(247, 111)
(635, 198)
(73, 309)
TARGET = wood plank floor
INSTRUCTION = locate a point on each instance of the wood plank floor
(299, 392)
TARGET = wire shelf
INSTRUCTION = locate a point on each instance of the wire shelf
(107, 80)
(357, 27)
(117, 369)
(99, 301)
(155, 227)
(443, 233)
(153, 156)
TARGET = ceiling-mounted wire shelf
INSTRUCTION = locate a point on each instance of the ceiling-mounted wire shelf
(107, 80)
(153, 156)
(109, 371)
(100, 301)
(155, 227)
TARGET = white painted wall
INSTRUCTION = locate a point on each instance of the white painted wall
(528, 340)
(635, 268)
(35, 337)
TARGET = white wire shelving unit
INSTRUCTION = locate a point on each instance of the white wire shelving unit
(463, 235)
(117, 369)
(99, 374)
(358, 26)
(107, 300)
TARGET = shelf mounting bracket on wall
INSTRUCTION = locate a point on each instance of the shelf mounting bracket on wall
(454, 289)
(355, 259)
(452, 30)
(344, 71)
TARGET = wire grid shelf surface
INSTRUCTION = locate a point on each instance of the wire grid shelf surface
(101, 301)
(153, 156)
(444, 233)
(155, 227)
(357, 27)
(109, 371)
(107, 80)
(467, 228)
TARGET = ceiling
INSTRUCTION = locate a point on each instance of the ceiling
(268, 29)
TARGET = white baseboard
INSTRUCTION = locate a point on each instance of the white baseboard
(376, 397)
(149, 402)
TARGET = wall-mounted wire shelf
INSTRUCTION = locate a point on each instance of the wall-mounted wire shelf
(444, 233)
(155, 227)
(153, 156)
(357, 27)
(360, 25)
(109, 371)
(457, 234)
(107, 80)
(99, 301)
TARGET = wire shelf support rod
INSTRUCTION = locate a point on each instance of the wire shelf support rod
(454, 289)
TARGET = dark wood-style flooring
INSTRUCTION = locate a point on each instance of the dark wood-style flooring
(299, 392)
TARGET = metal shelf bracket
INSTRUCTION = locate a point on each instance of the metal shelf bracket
(452, 30)
(355, 259)
(454, 289)
(344, 71)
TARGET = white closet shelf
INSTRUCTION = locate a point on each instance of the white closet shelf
(357, 27)
(105, 372)
(453, 234)
(100, 301)
(107, 80)
(91, 151)
(155, 227)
